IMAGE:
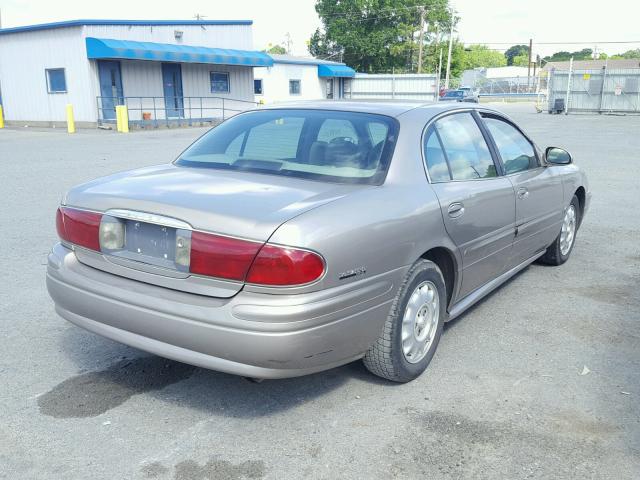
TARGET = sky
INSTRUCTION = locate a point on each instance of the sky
(498, 23)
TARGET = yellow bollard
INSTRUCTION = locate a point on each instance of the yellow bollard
(71, 124)
(1, 117)
(124, 119)
(119, 118)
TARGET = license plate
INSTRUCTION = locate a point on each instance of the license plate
(147, 240)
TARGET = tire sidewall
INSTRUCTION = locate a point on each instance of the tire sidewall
(427, 272)
(576, 204)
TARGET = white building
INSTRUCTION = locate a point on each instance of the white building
(302, 78)
(473, 76)
(163, 70)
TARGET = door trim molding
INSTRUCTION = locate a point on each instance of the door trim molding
(488, 287)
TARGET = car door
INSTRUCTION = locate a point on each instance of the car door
(477, 203)
(539, 195)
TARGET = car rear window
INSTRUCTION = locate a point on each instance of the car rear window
(327, 145)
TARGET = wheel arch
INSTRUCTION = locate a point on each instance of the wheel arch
(448, 265)
(582, 198)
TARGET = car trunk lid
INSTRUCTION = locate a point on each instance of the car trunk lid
(244, 205)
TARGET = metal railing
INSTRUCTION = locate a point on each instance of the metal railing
(152, 112)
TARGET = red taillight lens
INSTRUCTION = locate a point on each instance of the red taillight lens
(221, 257)
(284, 266)
(79, 227)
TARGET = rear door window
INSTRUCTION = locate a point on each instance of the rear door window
(436, 160)
(465, 148)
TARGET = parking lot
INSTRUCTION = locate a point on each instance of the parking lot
(507, 395)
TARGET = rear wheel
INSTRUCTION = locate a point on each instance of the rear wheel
(558, 252)
(413, 328)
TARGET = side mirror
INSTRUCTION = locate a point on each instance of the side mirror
(558, 156)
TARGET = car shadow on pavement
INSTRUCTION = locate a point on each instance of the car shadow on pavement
(126, 372)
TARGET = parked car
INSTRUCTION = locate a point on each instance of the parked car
(294, 239)
(459, 95)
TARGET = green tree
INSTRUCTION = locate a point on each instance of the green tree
(516, 51)
(377, 35)
(476, 56)
(521, 60)
(563, 56)
(631, 54)
(276, 49)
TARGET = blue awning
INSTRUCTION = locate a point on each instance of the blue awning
(98, 48)
(329, 70)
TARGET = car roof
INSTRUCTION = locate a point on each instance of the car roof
(392, 108)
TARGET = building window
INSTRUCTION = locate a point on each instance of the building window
(257, 86)
(294, 87)
(56, 81)
(219, 82)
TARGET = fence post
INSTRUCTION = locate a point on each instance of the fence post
(604, 78)
(71, 124)
(1, 117)
(566, 103)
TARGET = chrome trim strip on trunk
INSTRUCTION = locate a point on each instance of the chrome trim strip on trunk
(148, 218)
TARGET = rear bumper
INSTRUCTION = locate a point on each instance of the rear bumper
(250, 334)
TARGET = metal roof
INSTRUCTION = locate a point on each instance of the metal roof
(79, 23)
(166, 52)
(278, 58)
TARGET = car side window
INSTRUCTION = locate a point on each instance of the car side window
(465, 148)
(515, 150)
(436, 161)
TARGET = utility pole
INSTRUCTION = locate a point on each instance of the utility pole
(446, 80)
(287, 42)
(421, 40)
(529, 64)
(439, 76)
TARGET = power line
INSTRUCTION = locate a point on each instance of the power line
(555, 43)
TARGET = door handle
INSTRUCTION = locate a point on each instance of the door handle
(455, 210)
(523, 193)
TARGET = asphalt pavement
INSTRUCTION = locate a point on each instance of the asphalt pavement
(540, 380)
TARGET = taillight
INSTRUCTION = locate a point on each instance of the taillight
(222, 257)
(201, 253)
(79, 227)
(285, 266)
(253, 262)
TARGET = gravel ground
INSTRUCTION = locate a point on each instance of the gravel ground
(503, 398)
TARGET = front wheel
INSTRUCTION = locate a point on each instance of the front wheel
(558, 252)
(413, 328)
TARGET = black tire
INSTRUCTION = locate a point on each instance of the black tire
(553, 255)
(385, 358)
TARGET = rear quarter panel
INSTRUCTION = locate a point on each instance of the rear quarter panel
(378, 229)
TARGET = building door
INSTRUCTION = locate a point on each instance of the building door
(172, 85)
(110, 88)
(330, 88)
